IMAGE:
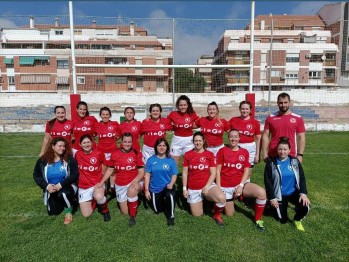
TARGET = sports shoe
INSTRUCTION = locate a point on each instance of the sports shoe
(106, 217)
(218, 220)
(170, 221)
(299, 225)
(259, 224)
(132, 221)
(68, 218)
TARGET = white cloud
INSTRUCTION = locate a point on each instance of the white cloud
(6, 23)
(308, 8)
(158, 13)
(239, 9)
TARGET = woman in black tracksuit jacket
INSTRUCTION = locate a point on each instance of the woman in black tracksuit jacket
(285, 182)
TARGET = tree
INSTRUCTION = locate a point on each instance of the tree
(187, 82)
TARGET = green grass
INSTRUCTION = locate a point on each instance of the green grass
(28, 234)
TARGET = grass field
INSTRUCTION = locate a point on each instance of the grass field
(28, 234)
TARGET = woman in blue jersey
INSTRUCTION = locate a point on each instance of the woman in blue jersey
(56, 172)
(160, 178)
(285, 182)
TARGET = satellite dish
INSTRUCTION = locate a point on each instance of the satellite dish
(323, 58)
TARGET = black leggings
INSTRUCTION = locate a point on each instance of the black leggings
(164, 201)
(301, 211)
(61, 199)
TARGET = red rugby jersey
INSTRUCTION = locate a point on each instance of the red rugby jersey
(60, 129)
(213, 129)
(107, 135)
(133, 127)
(182, 123)
(152, 131)
(82, 127)
(248, 129)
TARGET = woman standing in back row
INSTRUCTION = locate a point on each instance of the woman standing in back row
(59, 126)
(131, 125)
(83, 125)
(183, 121)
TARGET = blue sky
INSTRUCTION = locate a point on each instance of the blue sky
(173, 9)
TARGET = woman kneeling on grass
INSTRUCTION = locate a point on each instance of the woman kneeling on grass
(90, 168)
(129, 167)
(56, 172)
(199, 173)
(232, 175)
(285, 182)
(161, 175)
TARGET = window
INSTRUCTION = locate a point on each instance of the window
(240, 73)
(159, 84)
(330, 56)
(316, 58)
(44, 32)
(59, 32)
(132, 47)
(234, 40)
(329, 72)
(139, 82)
(62, 64)
(116, 80)
(116, 60)
(11, 80)
(315, 75)
(80, 80)
(275, 73)
(62, 87)
(99, 82)
(292, 76)
(77, 32)
(309, 39)
(292, 58)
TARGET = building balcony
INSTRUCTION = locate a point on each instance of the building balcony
(329, 80)
(329, 63)
(233, 80)
(238, 61)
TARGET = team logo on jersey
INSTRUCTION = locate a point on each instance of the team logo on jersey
(67, 127)
(217, 124)
(293, 120)
(61, 168)
(166, 167)
(249, 126)
(162, 126)
(93, 160)
(134, 128)
(130, 160)
(290, 168)
(187, 119)
(110, 128)
(202, 159)
(241, 158)
(87, 122)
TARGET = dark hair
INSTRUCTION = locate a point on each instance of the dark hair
(53, 120)
(233, 129)
(245, 102)
(127, 134)
(104, 108)
(283, 140)
(49, 155)
(198, 133)
(85, 136)
(83, 103)
(190, 109)
(213, 103)
(155, 105)
(159, 141)
(283, 95)
(129, 107)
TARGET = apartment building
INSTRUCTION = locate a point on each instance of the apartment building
(38, 58)
(289, 52)
(206, 73)
(335, 17)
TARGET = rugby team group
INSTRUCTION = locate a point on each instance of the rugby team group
(75, 170)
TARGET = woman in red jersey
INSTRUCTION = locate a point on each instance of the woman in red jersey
(250, 132)
(129, 167)
(199, 173)
(83, 125)
(107, 133)
(232, 172)
(131, 125)
(90, 174)
(183, 123)
(213, 127)
(152, 129)
(57, 127)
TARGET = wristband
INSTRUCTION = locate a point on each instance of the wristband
(242, 185)
(300, 154)
(184, 188)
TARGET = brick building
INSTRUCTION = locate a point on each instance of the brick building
(303, 55)
(38, 58)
